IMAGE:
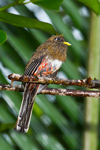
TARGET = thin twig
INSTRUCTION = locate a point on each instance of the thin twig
(85, 82)
(9, 87)
(71, 92)
(63, 92)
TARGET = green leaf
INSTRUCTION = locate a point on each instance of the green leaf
(48, 4)
(20, 1)
(5, 116)
(4, 144)
(22, 21)
(23, 141)
(94, 5)
(72, 9)
(3, 37)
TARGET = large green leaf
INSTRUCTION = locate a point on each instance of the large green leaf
(92, 4)
(22, 21)
(3, 37)
(48, 4)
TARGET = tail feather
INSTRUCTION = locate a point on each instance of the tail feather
(24, 116)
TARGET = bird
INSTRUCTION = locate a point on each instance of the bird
(45, 62)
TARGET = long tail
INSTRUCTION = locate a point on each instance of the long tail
(24, 116)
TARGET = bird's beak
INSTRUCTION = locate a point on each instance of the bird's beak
(68, 44)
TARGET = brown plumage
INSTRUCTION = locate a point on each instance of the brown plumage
(45, 62)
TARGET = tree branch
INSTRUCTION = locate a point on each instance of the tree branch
(9, 87)
(84, 83)
(63, 92)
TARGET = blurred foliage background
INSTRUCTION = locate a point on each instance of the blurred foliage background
(57, 121)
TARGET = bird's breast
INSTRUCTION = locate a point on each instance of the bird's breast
(56, 63)
(48, 66)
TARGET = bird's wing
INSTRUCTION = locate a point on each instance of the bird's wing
(33, 66)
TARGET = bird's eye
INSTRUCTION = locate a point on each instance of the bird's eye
(57, 39)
